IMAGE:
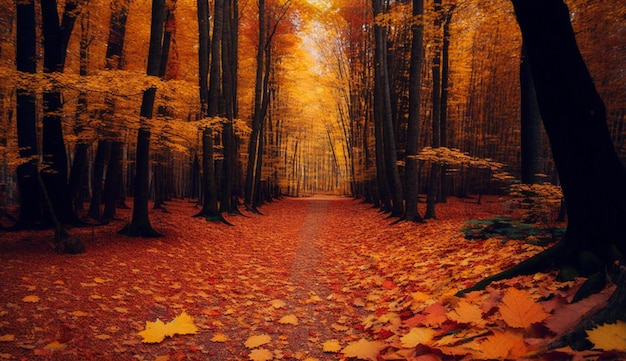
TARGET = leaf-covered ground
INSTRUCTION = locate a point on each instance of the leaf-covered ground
(310, 279)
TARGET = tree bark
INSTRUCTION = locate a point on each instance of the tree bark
(531, 135)
(140, 224)
(411, 212)
(30, 195)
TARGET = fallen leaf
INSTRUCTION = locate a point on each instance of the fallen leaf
(219, 337)
(503, 345)
(519, 310)
(8, 337)
(103, 336)
(55, 346)
(417, 335)
(261, 354)
(156, 331)
(609, 337)
(465, 312)
(79, 313)
(257, 340)
(289, 320)
(331, 346)
(363, 349)
(278, 303)
(31, 299)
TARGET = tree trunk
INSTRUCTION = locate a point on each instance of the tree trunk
(55, 40)
(388, 133)
(531, 142)
(592, 177)
(30, 195)
(255, 146)
(417, 50)
(140, 224)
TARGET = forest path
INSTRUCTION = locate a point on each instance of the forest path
(306, 272)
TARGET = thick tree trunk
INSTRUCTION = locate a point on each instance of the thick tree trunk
(55, 40)
(592, 176)
(531, 137)
(415, 81)
(30, 196)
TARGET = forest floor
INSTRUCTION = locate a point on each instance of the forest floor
(318, 278)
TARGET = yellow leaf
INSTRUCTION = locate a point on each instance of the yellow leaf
(519, 310)
(258, 340)
(609, 337)
(156, 331)
(278, 303)
(465, 312)
(417, 335)
(182, 325)
(261, 354)
(289, 320)
(363, 349)
(79, 313)
(6, 338)
(331, 346)
(121, 309)
(31, 299)
(219, 337)
(503, 345)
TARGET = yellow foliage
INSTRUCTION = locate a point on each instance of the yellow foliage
(331, 346)
(417, 335)
(609, 337)
(261, 354)
(289, 320)
(363, 349)
(258, 340)
(219, 337)
(155, 332)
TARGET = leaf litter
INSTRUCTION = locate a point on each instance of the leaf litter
(311, 279)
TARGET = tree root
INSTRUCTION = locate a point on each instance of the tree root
(139, 230)
(537, 263)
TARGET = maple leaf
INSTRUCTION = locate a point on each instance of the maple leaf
(289, 320)
(156, 332)
(363, 349)
(519, 310)
(609, 337)
(331, 346)
(219, 337)
(258, 340)
(261, 354)
(278, 303)
(465, 312)
(502, 345)
(417, 335)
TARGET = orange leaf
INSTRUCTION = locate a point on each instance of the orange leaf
(503, 345)
(519, 310)
(465, 312)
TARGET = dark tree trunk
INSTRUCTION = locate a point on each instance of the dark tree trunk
(140, 224)
(532, 128)
(102, 155)
(255, 146)
(229, 71)
(389, 141)
(55, 40)
(112, 186)
(592, 177)
(30, 196)
(411, 212)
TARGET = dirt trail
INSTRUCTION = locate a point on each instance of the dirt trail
(327, 263)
